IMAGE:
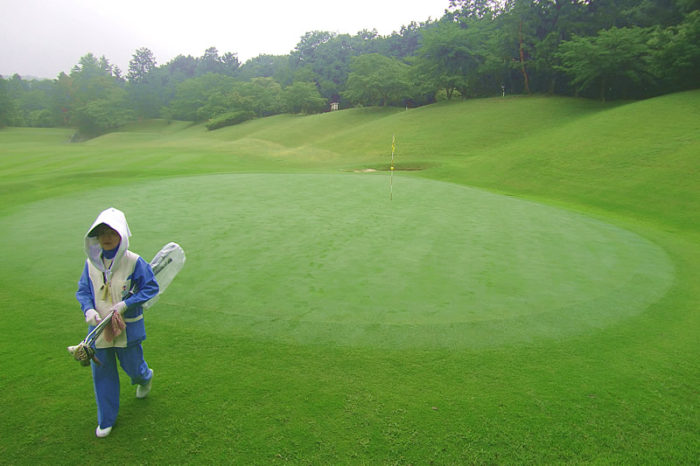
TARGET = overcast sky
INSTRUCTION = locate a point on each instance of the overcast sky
(42, 38)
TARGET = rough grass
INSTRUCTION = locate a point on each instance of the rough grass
(622, 392)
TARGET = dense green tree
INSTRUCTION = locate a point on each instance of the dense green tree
(34, 104)
(193, 94)
(328, 56)
(101, 115)
(15, 88)
(145, 90)
(404, 43)
(166, 79)
(266, 66)
(475, 9)
(305, 51)
(230, 63)
(16, 85)
(676, 52)
(98, 102)
(303, 97)
(451, 55)
(606, 14)
(92, 79)
(61, 98)
(181, 68)
(377, 80)
(211, 95)
(265, 96)
(217, 103)
(142, 63)
(304, 74)
(529, 33)
(7, 106)
(616, 61)
(147, 98)
(210, 62)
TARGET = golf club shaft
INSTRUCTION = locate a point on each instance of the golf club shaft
(97, 331)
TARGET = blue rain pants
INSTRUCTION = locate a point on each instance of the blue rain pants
(106, 378)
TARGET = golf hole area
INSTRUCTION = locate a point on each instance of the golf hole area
(330, 259)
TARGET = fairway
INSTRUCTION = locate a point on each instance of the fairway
(331, 259)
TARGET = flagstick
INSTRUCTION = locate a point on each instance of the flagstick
(391, 176)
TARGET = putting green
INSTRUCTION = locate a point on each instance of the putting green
(330, 259)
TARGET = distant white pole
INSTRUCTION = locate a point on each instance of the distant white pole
(391, 169)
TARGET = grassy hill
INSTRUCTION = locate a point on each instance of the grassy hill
(269, 358)
(630, 159)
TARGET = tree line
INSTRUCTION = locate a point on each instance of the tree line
(604, 49)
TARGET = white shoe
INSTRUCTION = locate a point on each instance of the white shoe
(142, 390)
(101, 433)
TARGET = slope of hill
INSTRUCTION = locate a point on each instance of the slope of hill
(639, 159)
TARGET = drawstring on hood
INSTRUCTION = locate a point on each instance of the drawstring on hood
(108, 256)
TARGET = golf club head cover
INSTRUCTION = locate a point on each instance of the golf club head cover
(118, 324)
(83, 354)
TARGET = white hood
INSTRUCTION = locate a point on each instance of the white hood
(116, 220)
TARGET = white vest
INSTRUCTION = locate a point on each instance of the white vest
(110, 288)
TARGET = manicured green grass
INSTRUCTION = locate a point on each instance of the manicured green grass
(551, 319)
(312, 258)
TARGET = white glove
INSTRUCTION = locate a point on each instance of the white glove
(92, 317)
(120, 307)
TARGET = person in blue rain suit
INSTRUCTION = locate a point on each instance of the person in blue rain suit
(115, 279)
